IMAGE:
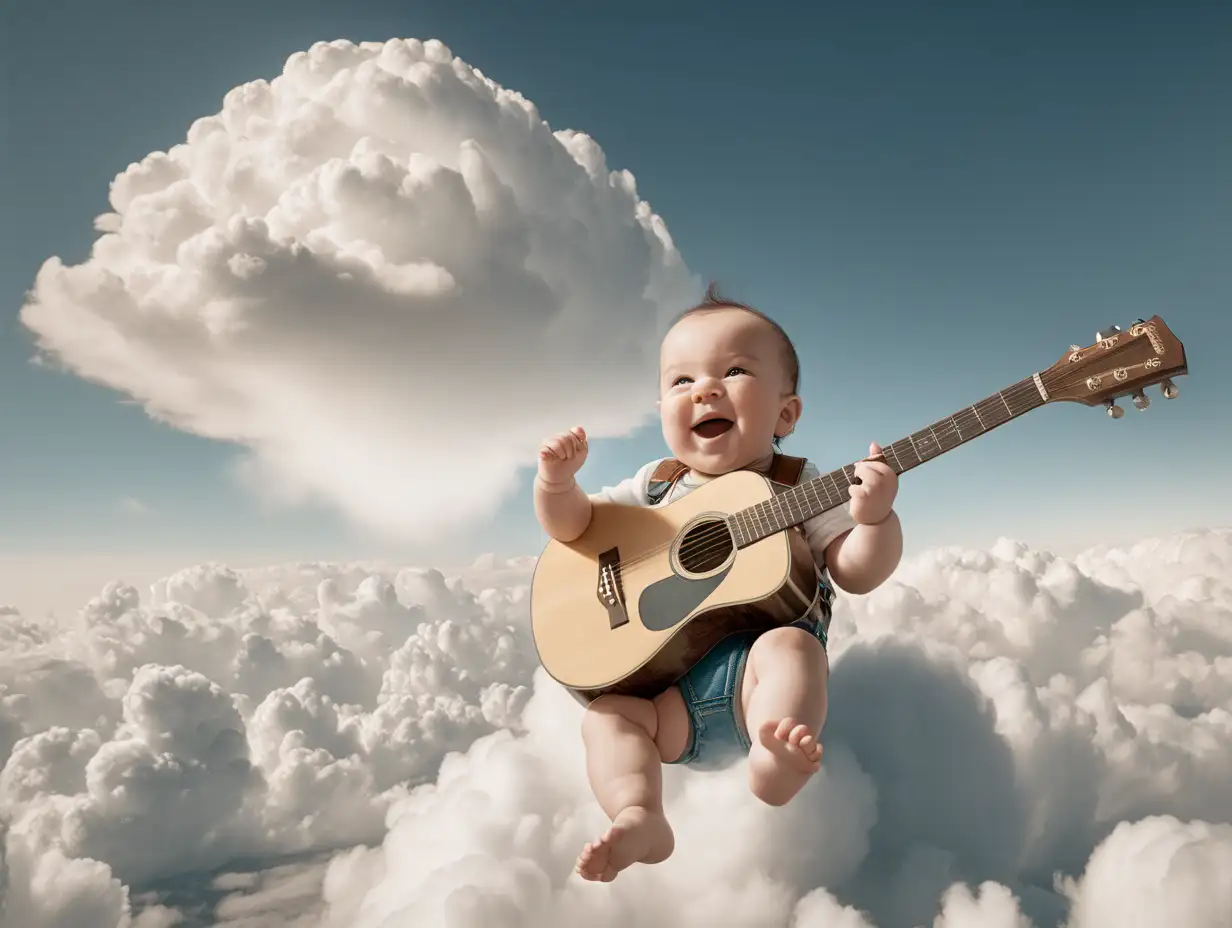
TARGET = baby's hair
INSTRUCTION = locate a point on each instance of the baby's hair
(714, 300)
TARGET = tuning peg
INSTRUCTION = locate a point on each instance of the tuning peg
(1169, 389)
(1114, 410)
(1107, 333)
(1141, 400)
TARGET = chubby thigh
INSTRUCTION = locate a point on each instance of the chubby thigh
(796, 666)
(672, 735)
(786, 676)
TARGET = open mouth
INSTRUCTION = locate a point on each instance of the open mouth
(712, 428)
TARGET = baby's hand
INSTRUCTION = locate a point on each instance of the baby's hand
(562, 456)
(873, 497)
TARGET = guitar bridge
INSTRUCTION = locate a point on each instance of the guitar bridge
(609, 591)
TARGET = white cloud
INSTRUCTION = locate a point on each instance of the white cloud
(997, 719)
(380, 244)
(1157, 871)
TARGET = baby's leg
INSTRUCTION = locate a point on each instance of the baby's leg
(784, 703)
(627, 739)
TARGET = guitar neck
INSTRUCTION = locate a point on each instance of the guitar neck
(828, 491)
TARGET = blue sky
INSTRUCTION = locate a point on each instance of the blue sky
(935, 200)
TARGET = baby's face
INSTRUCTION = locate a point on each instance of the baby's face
(725, 367)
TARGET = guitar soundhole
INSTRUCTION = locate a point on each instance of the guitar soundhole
(705, 546)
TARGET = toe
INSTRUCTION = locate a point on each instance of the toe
(784, 728)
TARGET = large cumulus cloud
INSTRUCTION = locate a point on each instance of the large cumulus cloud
(1003, 751)
(351, 269)
(146, 740)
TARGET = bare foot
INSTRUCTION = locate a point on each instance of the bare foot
(782, 759)
(794, 744)
(636, 835)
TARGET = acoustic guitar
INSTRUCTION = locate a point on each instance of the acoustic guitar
(644, 593)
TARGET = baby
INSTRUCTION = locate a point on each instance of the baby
(728, 377)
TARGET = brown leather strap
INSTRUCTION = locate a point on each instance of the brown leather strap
(786, 469)
(668, 470)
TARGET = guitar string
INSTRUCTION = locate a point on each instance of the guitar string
(719, 535)
(716, 538)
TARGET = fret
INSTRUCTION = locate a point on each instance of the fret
(830, 490)
(803, 490)
(899, 454)
(833, 488)
(897, 464)
(915, 448)
(953, 436)
(903, 450)
(993, 412)
(818, 488)
(948, 438)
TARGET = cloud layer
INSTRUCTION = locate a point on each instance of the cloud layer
(378, 245)
(1015, 739)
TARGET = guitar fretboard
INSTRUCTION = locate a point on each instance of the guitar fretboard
(827, 491)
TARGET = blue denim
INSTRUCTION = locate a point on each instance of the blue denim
(711, 691)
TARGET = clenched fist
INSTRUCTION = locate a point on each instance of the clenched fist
(562, 456)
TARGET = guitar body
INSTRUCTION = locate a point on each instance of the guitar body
(644, 593)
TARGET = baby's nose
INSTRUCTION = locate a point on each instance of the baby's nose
(704, 390)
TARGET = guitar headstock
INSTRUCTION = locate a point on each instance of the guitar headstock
(1118, 364)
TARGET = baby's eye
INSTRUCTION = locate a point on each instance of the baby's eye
(736, 370)
(679, 380)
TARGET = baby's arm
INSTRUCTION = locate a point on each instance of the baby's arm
(562, 507)
(861, 559)
(858, 557)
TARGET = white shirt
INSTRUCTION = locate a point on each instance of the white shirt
(820, 530)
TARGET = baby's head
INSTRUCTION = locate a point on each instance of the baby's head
(726, 363)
